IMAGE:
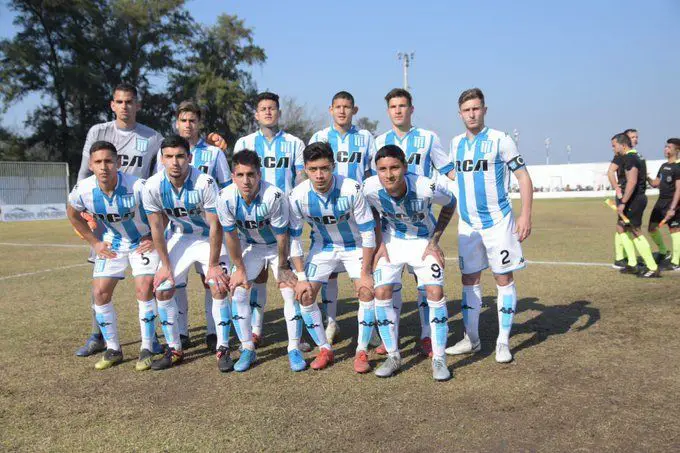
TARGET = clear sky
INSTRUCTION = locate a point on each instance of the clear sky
(576, 71)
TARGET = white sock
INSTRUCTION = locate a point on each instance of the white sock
(147, 322)
(311, 316)
(291, 311)
(167, 311)
(439, 323)
(471, 306)
(386, 319)
(182, 310)
(424, 313)
(108, 324)
(506, 304)
(329, 299)
(258, 300)
(222, 314)
(397, 302)
(240, 314)
(209, 320)
(366, 320)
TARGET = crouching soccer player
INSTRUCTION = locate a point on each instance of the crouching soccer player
(186, 196)
(115, 199)
(342, 234)
(260, 212)
(487, 233)
(409, 237)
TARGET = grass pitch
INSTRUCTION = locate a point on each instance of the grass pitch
(596, 363)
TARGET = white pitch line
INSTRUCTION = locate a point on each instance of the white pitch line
(27, 274)
(70, 246)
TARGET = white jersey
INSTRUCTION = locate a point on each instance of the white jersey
(411, 216)
(351, 151)
(281, 157)
(423, 150)
(186, 207)
(258, 222)
(337, 217)
(136, 148)
(483, 168)
(122, 214)
(210, 159)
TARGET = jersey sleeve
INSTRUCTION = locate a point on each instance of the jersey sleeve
(279, 213)
(222, 173)
(509, 153)
(210, 196)
(295, 217)
(75, 200)
(150, 201)
(224, 214)
(372, 151)
(315, 138)
(84, 171)
(362, 212)
(298, 159)
(239, 146)
(369, 153)
(629, 162)
(159, 163)
(441, 194)
(440, 158)
(138, 190)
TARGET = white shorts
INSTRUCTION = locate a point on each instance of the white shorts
(185, 250)
(408, 252)
(497, 247)
(321, 263)
(260, 256)
(141, 264)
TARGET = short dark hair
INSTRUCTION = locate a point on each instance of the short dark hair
(103, 144)
(267, 96)
(316, 151)
(399, 93)
(246, 157)
(343, 95)
(629, 131)
(622, 139)
(189, 106)
(127, 87)
(468, 95)
(175, 141)
(390, 151)
(674, 141)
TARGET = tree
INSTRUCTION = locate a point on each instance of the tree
(297, 120)
(365, 123)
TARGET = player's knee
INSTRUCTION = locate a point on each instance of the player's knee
(144, 292)
(471, 279)
(503, 279)
(306, 300)
(383, 292)
(165, 295)
(365, 294)
(101, 296)
(434, 292)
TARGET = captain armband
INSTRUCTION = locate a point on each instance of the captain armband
(516, 163)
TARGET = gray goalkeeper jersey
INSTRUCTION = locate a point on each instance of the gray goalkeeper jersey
(136, 147)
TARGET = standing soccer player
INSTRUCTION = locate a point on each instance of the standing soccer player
(665, 208)
(487, 233)
(425, 156)
(342, 234)
(624, 249)
(212, 161)
(281, 157)
(115, 200)
(409, 238)
(259, 211)
(136, 145)
(352, 152)
(185, 196)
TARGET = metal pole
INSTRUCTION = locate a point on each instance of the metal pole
(515, 135)
(568, 154)
(547, 151)
(405, 59)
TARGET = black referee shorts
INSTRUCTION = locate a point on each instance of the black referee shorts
(634, 210)
(659, 212)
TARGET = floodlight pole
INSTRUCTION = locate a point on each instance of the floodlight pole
(547, 151)
(568, 154)
(406, 58)
(515, 135)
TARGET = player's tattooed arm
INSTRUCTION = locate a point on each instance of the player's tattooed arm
(380, 249)
(433, 248)
(216, 275)
(157, 220)
(286, 276)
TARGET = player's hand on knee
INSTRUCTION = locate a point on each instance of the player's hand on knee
(103, 250)
(217, 278)
(365, 286)
(303, 292)
(237, 278)
(163, 277)
(145, 245)
(435, 252)
(287, 277)
(523, 228)
(381, 252)
(216, 139)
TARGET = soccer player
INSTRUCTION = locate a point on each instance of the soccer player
(342, 234)
(633, 203)
(352, 149)
(137, 145)
(212, 161)
(186, 196)
(409, 237)
(281, 157)
(665, 208)
(624, 249)
(259, 211)
(114, 198)
(488, 235)
(425, 156)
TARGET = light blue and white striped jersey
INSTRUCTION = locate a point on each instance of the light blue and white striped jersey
(409, 217)
(186, 207)
(210, 159)
(281, 158)
(337, 217)
(122, 214)
(258, 222)
(423, 150)
(483, 168)
(352, 151)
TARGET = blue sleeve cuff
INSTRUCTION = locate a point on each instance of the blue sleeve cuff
(229, 229)
(295, 233)
(211, 210)
(446, 168)
(368, 226)
(452, 204)
(279, 231)
(299, 168)
(150, 212)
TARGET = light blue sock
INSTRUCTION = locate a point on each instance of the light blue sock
(386, 320)
(439, 317)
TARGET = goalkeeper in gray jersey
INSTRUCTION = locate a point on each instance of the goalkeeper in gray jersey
(137, 146)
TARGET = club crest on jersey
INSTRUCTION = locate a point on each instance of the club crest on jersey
(342, 204)
(141, 144)
(486, 146)
(128, 200)
(193, 196)
(261, 210)
(416, 205)
(419, 142)
(359, 140)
